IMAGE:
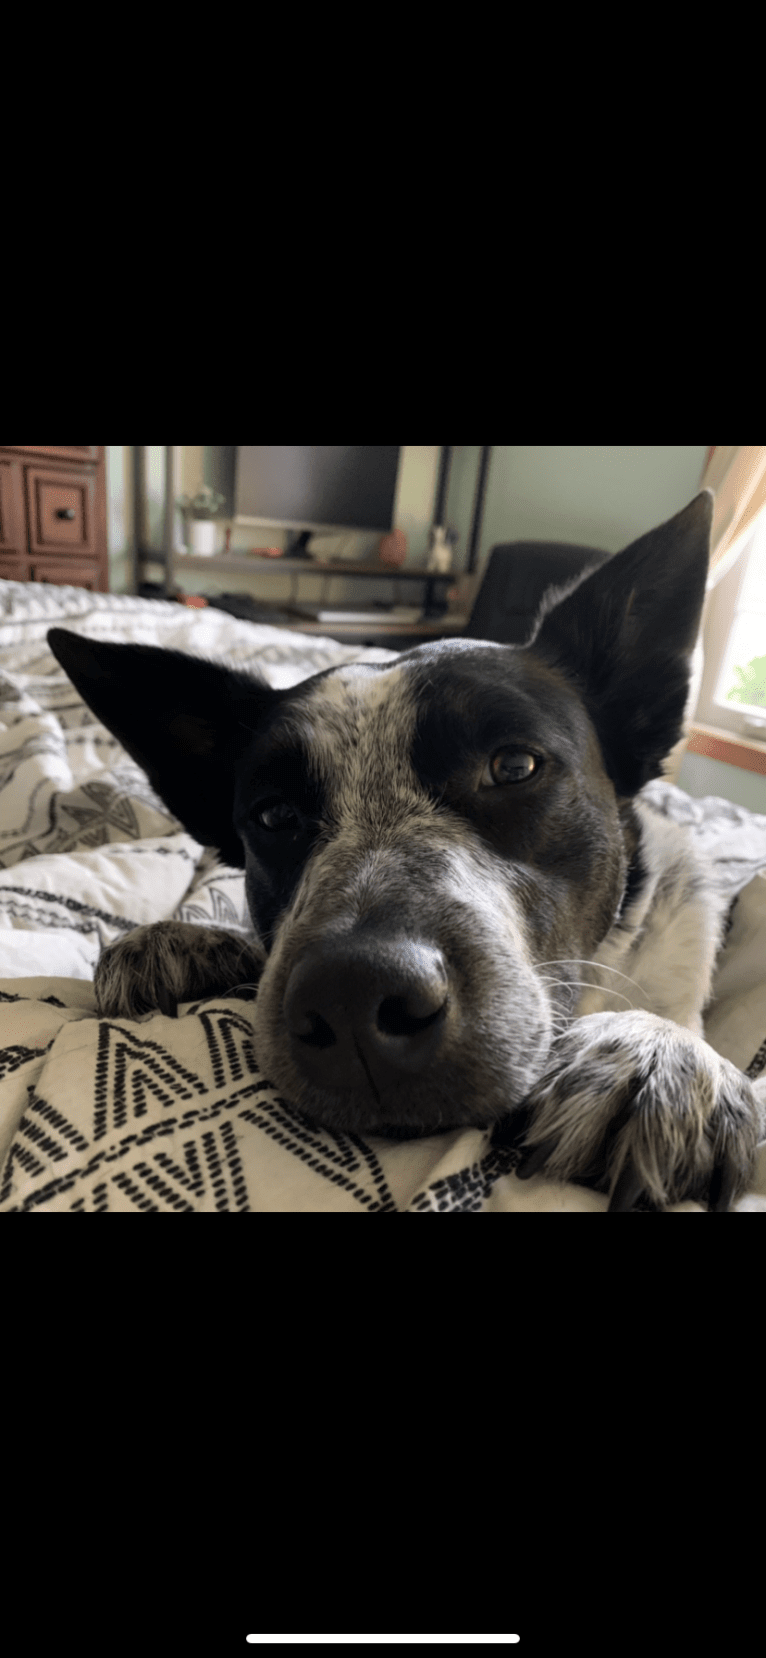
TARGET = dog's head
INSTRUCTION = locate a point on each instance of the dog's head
(429, 845)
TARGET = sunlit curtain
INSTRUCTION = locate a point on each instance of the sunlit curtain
(737, 476)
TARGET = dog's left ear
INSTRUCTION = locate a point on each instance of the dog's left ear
(625, 635)
(183, 720)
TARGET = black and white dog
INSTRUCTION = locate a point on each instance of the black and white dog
(454, 883)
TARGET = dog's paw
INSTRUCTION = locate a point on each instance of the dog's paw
(635, 1106)
(154, 968)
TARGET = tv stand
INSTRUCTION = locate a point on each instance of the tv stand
(436, 620)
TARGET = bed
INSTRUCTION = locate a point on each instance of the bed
(173, 1115)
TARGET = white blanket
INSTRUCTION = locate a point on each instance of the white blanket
(169, 1115)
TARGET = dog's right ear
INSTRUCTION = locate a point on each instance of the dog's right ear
(625, 633)
(183, 720)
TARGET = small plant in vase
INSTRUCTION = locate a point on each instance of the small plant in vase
(199, 511)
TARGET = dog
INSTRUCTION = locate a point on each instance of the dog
(463, 912)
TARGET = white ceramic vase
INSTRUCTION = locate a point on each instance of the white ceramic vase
(204, 536)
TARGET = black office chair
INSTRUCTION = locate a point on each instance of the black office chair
(517, 575)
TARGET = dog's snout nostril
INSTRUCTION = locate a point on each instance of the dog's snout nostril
(397, 1016)
(313, 1029)
(365, 1009)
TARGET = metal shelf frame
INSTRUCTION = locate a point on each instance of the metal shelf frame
(231, 563)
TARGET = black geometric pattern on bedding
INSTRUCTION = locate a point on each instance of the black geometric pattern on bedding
(167, 1136)
(757, 1064)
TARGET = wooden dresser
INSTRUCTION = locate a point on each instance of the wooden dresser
(53, 515)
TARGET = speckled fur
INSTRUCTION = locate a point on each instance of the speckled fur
(390, 854)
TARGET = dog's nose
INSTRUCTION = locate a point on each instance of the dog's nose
(366, 1010)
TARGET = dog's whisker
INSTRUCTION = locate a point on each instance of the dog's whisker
(584, 984)
(598, 967)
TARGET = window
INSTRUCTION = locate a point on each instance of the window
(733, 690)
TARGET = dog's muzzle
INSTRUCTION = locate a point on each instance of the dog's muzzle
(363, 1013)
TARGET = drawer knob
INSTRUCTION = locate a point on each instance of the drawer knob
(65, 512)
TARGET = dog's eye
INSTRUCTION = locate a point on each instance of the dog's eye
(275, 815)
(511, 765)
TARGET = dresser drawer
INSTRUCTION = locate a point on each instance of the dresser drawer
(66, 572)
(60, 510)
(13, 567)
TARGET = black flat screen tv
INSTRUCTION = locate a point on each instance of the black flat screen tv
(330, 486)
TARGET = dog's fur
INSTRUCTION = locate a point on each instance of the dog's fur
(462, 912)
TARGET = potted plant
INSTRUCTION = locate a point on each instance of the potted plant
(199, 512)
